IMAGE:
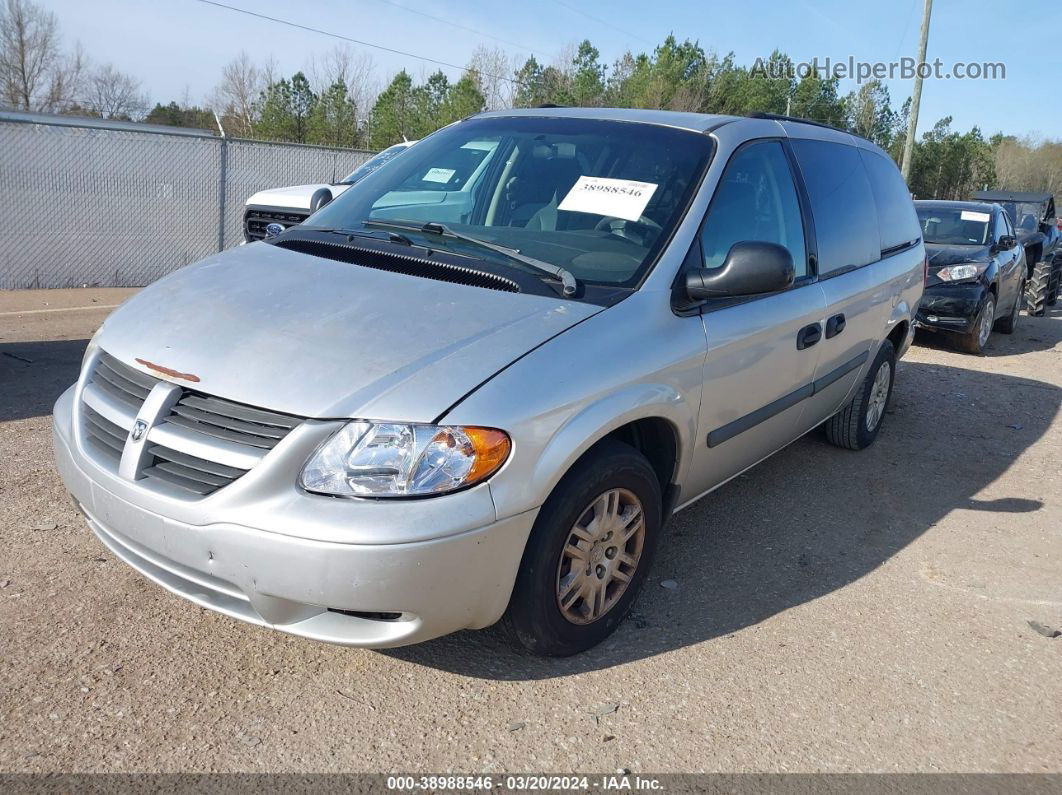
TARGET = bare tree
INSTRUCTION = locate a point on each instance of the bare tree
(34, 73)
(492, 71)
(236, 97)
(356, 70)
(115, 95)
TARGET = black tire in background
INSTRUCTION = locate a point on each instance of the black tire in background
(848, 427)
(534, 613)
(1036, 291)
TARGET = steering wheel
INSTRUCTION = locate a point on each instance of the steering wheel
(621, 227)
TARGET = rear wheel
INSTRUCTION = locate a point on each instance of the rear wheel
(1039, 285)
(589, 553)
(1010, 322)
(977, 338)
(857, 425)
(1054, 286)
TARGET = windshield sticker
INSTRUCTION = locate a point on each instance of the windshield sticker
(616, 198)
(971, 215)
(438, 175)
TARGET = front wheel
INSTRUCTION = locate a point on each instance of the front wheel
(589, 553)
(856, 426)
(977, 338)
(1038, 289)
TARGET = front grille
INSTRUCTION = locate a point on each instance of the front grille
(201, 444)
(255, 221)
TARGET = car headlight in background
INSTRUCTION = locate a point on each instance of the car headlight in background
(962, 273)
(368, 459)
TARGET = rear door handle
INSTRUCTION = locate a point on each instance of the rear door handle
(808, 336)
(834, 326)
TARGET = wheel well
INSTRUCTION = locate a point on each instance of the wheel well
(656, 439)
(898, 335)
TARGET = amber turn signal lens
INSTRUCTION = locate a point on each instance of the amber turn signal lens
(492, 449)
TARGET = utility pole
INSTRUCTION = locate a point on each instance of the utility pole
(916, 95)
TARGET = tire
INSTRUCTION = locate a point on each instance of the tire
(975, 341)
(848, 427)
(1053, 287)
(1037, 289)
(547, 572)
(1010, 322)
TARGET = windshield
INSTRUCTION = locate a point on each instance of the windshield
(1024, 216)
(596, 198)
(954, 226)
(373, 163)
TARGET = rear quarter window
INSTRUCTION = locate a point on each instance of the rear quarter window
(897, 220)
(846, 223)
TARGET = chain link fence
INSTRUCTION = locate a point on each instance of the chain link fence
(113, 204)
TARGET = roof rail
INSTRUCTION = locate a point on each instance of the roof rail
(783, 117)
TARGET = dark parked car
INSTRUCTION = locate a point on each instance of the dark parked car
(1033, 217)
(976, 275)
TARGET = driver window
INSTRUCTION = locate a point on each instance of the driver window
(755, 201)
(1001, 227)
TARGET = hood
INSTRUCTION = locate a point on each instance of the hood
(317, 338)
(941, 254)
(297, 197)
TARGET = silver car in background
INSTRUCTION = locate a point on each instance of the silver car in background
(428, 408)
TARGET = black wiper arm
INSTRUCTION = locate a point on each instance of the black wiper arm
(394, 237)
(569, 285)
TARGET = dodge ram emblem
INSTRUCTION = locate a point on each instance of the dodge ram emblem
(138, 430)
(272, 230)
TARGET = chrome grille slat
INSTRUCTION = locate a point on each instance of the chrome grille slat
(118, 393)
(240, 412)
(265, 431)
(202, 444)
(219, 432)
(194, 486)
(211, 467)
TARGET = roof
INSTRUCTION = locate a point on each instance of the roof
(697, 122)
(978, 207)
(1011, 196)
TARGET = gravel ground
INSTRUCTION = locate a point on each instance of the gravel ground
(834, 611)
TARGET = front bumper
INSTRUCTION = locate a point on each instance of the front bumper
(952, 307)
(390, 594)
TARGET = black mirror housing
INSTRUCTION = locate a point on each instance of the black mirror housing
(1007, 242)
(320, 198)
(750, 268)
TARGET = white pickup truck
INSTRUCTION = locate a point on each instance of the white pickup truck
(293, 205)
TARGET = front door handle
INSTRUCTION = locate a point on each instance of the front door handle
(834, 326)
(808, 336)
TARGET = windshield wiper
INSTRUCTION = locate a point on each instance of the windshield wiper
(393, 237)
(569, 285)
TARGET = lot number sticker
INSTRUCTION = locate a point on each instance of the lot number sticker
(438, 175)
(620, 198)
(971, 215)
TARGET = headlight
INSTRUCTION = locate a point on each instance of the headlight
(960, 273)
(367, 459)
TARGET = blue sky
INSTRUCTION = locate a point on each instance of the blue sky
(181, 45)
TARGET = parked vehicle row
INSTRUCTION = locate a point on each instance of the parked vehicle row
(476, 383)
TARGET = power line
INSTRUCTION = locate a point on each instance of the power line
(359, 42)
(600, 21)
(454, 24)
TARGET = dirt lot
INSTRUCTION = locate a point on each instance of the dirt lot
(835, 611)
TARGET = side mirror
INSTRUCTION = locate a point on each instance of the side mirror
(750, 268)
(1006, 242)
(320, 198)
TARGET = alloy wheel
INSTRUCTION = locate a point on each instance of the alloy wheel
(879, 394)
(600, 556)
(988, 317)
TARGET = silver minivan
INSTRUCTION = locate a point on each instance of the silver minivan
(428, 408)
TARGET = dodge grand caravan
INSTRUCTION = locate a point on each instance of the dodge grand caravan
(424, 410)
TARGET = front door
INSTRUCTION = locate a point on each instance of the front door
(762, 352)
